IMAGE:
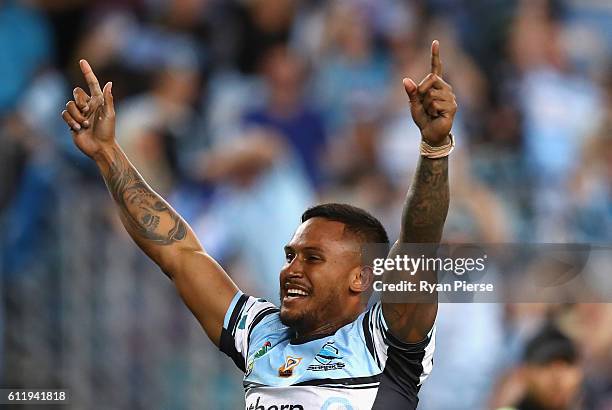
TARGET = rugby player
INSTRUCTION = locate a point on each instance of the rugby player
(323, 349)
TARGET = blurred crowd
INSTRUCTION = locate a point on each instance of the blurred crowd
(243, 113)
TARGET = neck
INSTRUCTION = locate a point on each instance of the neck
(324, 329)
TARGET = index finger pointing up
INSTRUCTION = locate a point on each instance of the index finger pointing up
(436, 64)
(90, 77)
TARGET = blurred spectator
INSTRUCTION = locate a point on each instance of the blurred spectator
(25, 41)
(591, 185)
(553, 129)
(469, 336)
(592, 320)
(154, 126)
(287, 112)
(354, 73)
(45, 145)
(13, 153)
(549, 377)
(251, 175)
(261, 25)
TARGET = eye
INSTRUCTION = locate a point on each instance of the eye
(313, 258)
(289, 256)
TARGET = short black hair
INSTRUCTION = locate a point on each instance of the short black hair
(549, 344)
(357, 221)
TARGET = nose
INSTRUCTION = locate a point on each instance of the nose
(294, 269)
(293, 274)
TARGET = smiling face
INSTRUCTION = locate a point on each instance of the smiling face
(321, 283)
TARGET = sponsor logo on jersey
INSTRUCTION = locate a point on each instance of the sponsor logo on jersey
(328, 358)
(259, 353)
(257, 406)
(263, 350)
(286, 370)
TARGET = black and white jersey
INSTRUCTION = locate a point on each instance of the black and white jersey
(361, 366)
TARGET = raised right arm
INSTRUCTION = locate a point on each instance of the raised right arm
(151, 222)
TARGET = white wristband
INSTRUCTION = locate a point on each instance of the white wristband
(429, 151)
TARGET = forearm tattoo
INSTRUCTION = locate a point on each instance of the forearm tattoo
(427, 202)
(144, 213)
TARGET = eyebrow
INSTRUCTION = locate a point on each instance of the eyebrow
(306, 248)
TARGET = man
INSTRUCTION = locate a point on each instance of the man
(322, 349)
(550, 377)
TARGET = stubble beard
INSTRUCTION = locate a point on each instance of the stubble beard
(313, 317)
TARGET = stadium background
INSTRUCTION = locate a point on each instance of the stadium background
(242, 114)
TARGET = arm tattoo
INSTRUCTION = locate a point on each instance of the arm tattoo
(423, 219)
(144, 212)
(427, 202)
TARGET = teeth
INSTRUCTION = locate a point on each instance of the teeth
(296, 292)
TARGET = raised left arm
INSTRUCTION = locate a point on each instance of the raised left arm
(433, 107)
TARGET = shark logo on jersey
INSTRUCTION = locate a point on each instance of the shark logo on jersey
(262, 351)
(328, 353)
(286, 370)
(328, 358)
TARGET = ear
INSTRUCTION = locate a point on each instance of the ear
(361, 279)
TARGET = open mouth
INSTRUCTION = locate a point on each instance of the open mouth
(293, 293)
